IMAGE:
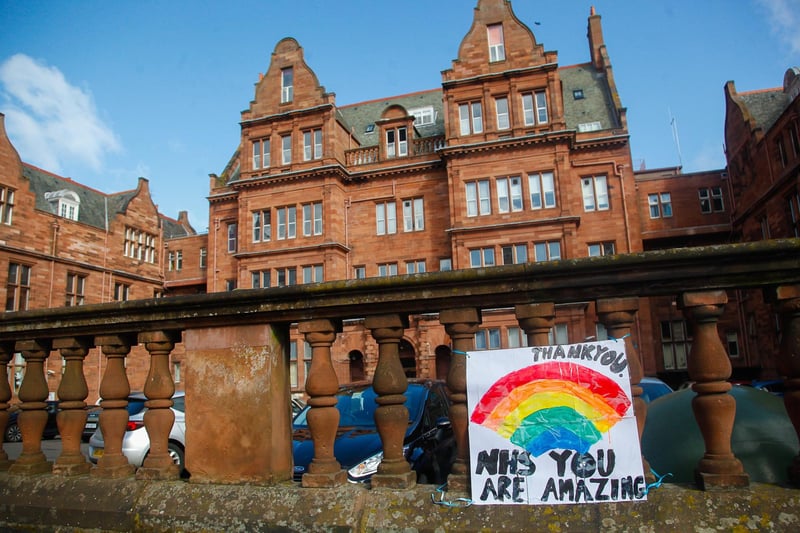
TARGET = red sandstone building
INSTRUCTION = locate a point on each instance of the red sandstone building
(515, 158)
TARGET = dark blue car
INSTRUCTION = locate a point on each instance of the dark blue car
(12, 432)
(429, 443)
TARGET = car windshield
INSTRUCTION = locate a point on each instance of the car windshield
(357, 406)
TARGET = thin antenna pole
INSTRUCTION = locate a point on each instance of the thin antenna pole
(674, 125)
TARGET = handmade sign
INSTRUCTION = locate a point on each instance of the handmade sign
(553, 424)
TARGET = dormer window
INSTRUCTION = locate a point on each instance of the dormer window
(396, 142)
(497, 50)
(64, 203)
(423, 116)
(287, 85)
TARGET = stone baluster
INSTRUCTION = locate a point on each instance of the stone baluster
(71, 418)
(114, 390)
(536, 321)
(787, 300)
(6, 354)
(714, 409)
(460, 325)
(618, 316)
(33, 418)
(323, 417)
(158, 419)
(391, 416)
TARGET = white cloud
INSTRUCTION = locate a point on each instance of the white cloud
(51, 122)
(784, 15)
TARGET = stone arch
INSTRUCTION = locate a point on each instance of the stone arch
(357, 370)
(443, 354)
(408, 358)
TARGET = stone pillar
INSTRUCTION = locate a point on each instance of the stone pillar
(33, 417)
(536, 320)
(6, 354)
(618, 316)
(391, 416)
(787, 302)
(237, 383)
(714, 409)
(114, 390)
(72, 394)
(158, 419)
(323, 417)
(460, 325)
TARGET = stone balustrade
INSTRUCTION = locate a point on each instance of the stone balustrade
(241, 335)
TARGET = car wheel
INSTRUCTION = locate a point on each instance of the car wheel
(176, 452)
(13, 434)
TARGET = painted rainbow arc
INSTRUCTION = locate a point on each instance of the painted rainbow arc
(552, 405)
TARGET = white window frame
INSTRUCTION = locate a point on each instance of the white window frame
(547, 251)
(495, 39)
(6, 205)
(595, 193)
(413, 215)
(501, 109)
(423, 116)
(534, 108)
(262, 225)
(542, 190)
(386, 218)
(470, 118)
(599, 249)
(396, 142)
(286, 149)
(387, 269)
(313, 274)
(312, 219)
(287, 85)
(517, 253)
(415, 267)
(482, 257)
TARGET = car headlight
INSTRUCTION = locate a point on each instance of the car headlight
(364, 470)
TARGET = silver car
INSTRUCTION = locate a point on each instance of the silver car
(136, 442)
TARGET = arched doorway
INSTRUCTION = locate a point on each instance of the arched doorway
(357, 372)
(408, 358)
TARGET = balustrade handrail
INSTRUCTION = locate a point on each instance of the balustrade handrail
(763, 264)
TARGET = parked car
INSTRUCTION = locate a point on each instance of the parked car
(136, 442)
(775, 386)
(653, 388)
(429, 443)
(12, 432)
(135, 405)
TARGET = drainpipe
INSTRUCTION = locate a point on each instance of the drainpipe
(53, 252)
(617, 169)
(214, 279)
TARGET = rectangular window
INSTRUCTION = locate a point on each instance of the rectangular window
(359, 272)
(312, 219)
(514, 254)
(478, 200)
(534, 108)
(18, 287)
(386, 218)
(781, 152)
(178, 260)
(732, 341)
(203, 257)
(260, 154)
(547, 251)
(293, 379)
(387, 269)
(171, 261)
(497, 51)
(287, 222)
(481, 257)
(413, 215)
(601, 248)
(793, 204)
(509, 194)
(262, 225)
(445, 264)
(794, 139)
(396, 142)
(711, 200)
(503, 203)
(260, 279)
(542, 190)
(470, 118)
(675, 344)
(140, 245)
(558, 334)
(487, 339)
(660, 205)
(286, 277)
(122, 291)
(308, 354)
(286, 149)
(415, 267)
(233, 237)
(312, 274)
(6, 205)
(501, 106)
(516, 337)
(312, 145)
(287, 85)
(230, 285)
(595, 193)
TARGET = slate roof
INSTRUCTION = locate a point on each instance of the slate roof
(357, 117)
(596, 104)
(765, 106)
(94, 205)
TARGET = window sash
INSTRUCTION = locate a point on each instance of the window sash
(496, 46)
(287, 85)
(501, 106)
(286, 151)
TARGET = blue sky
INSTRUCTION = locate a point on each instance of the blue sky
(105, 92)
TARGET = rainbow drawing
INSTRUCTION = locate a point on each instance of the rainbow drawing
(552, 405)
